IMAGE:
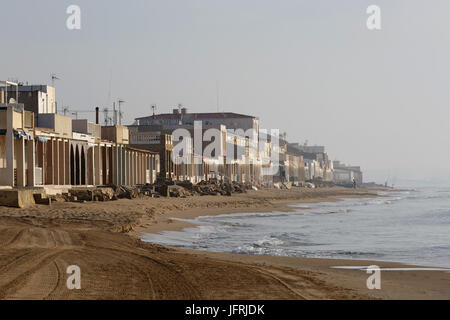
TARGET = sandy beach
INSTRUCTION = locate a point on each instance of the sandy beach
(102, 238)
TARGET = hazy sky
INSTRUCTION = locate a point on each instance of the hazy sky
(379, 99)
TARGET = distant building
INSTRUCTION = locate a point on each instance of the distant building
(239, 135)
(345, 174)
(183, 117)
(36, 98)
(316, 161)
(295, 166)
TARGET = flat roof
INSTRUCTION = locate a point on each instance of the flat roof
(205, 115)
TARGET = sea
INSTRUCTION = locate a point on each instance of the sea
(409, 226)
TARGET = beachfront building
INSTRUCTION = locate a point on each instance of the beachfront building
(196, 165)
(234, 156)
(89, 155)
(154, 140)
(16, 145)
(316, 160)
(35, 98)
(295, 166)
(344, 174)
(53, 150)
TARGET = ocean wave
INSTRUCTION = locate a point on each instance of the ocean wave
(268, 241)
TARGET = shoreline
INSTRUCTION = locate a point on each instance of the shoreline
(168, 221)
(37, 244)
(311, 264)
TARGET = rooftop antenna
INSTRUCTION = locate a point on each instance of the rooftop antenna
(180, 106)
(54, 78)
(109, 87)
(106, 114)
(120, 111)
(153, 109)
(114, 113)
(75, 113)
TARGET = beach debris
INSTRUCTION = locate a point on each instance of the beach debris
(162, 188)
(176, 191)
(283, 185)
(40, 198)
(126, 192)
(148, 190)
(90, 194)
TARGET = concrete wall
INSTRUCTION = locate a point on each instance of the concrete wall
(37, 99)
(17, 153)
(84, 126)
(17, 120)
(60, 123)
(2, 119)
(80, 126)
(117, 134)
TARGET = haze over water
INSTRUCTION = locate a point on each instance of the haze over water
(412, 227)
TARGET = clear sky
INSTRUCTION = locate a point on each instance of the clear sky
(379, 99)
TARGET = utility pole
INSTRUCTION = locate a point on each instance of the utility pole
(54, 78)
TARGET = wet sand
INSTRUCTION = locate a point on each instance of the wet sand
(38, 243)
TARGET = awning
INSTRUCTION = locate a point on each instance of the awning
(19, 134)
(42, 139)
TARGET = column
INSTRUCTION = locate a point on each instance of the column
(124, 165)
(56, 162)
(20, 162)
(62, 162)
(9, 147)
(67, 163)
(97, 166)
(31, 159)
(49, 162)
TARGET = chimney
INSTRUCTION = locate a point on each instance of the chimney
(97, 115)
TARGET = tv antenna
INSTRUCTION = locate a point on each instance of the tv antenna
(75, 113)
(106, 114)
(54, 78)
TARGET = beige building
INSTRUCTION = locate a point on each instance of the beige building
(60, 151)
